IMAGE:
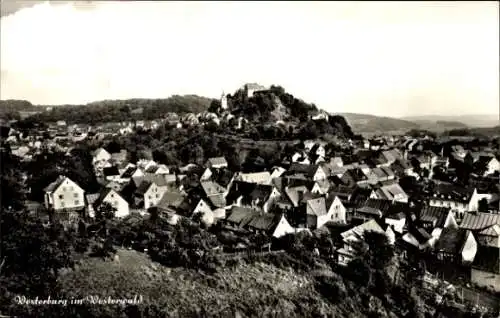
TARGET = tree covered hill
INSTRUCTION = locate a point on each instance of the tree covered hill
(113, 110)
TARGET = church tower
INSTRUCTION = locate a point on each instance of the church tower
(223, 101)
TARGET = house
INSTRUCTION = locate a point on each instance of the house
(372, 209)
(64, 195)
(274, 225)
(174, 203)
(316, 213)
(291, 197)
(485, 270)
(277, 172)
(456, 246)
(455, 197)
(434, 219)
(310, 172)
(149, 193)
(382, 174)
(216, 163)
(157, 169)
(119, 158)
(336, 209)
(100, 158)
(391, 192)
(486, 165)
(402, 168)
(484, 225)
(419, 238)
(110, 196)
(354, 237)
(207, 215)
(355, 176)
(206, 175)
(254, 177)
(111, 173)
(131, 172)
(214, 194)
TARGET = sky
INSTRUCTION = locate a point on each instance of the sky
(382, 58)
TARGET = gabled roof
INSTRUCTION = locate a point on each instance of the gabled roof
(375, 206)
(293, 194)
(172, 200)
(100, 150)
(359, 195)
(55, 184)
(390, 191)
(435, 215)
(263, 177)
(211, 188)
(128, 172)
(493, 230)
(451, 240)
(360, 230)
(110, 171)
(306, 170)
(241, 216)
(317, 207)
(264, 222)
(479, 221)
(92, 197)
(217, 161)
(103, 194)
(143, 187)
(217, 200)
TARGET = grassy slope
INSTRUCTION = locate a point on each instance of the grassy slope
(247, 289)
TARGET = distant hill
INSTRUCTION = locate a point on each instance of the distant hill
(469, 120)
(440, 125)
(113, 110)
(364, 123)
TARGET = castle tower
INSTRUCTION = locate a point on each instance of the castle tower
(223, 101)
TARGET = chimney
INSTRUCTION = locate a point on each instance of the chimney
(300, 195)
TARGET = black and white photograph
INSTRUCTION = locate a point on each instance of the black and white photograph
(250, 159)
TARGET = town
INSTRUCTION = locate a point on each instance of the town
(436, 199)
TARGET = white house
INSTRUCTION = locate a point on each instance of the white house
(353, 237)
(64, 194)
(150, 193)
(460, 200)
(336, 210)
(207, 216)
(111, 197)
(100, 158)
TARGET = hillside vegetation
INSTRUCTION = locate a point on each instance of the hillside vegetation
(117, 110)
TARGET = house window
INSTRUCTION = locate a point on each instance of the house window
(61, 196)
(64, 188)
(115, 203)
(150, 197)
(75, 195)
(112, 195)
(71, 188)
(62, 204)
(77, 202)
(157, 195)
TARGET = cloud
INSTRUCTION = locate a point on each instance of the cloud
(344, 56)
